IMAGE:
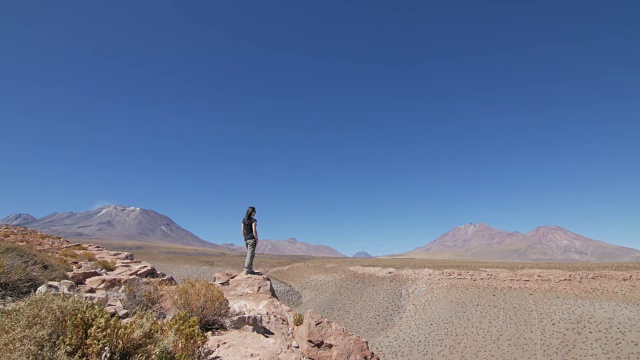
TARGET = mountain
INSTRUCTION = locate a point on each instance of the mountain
(17, 219)
(546, 243)
(362, 254)
(114, 222)
(233, 247)
(288, 247)
(295, 247)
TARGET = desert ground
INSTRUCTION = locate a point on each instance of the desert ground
(434, 309)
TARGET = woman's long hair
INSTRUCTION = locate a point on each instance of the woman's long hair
(247, 216)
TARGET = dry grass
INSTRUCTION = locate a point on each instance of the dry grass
(141, 297)
(77, 255)
(108, 265)
(31, 238)
(23, 270)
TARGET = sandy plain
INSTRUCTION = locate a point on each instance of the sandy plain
(428, 309)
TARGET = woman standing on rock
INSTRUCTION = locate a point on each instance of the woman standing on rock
(250, 233)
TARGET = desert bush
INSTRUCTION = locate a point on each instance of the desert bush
(108, 265)
(184, 337)
(93, 334)
(31, 328)
(71, 254)
(23, 270)
(140, 297)
(59, 327)
(298, 319)
(201, 299)
(86, 256)
(68, 253)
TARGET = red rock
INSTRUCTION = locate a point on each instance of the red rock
(94, 282)
(223, 278)
(80, 276)
(320, 339)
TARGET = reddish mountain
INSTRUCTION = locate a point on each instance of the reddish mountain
(547, 243)
(289, 247)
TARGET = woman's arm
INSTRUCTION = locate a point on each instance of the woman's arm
(242, 229)
(255, 231)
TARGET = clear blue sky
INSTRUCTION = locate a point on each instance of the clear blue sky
(362, 125)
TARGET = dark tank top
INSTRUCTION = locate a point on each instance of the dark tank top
(248, 229)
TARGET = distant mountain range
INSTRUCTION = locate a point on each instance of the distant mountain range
(289, 247)
(362, 254)
(546, 243)
(115, 222)
(17, 219)
(469, 242)
(111, 222)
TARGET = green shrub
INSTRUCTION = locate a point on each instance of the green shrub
(203, 300)
(298, 319)
(60, 327)
(23, 270)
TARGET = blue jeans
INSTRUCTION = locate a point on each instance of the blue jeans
(251, 252)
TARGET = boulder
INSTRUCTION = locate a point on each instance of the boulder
(135, 268)
(108, 282)
(94, 282)
(79, 276)
(49, 287)
(99, 298)
(67, 287)
(223, 278)
(320, 338)
(243, 345)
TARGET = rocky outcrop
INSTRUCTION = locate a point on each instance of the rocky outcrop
(35, 239)
(262, 327)
(320, 338)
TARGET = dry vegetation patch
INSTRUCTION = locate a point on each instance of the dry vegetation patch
(60, 327)
(23, 270)
(204, 300)
(31, 238)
